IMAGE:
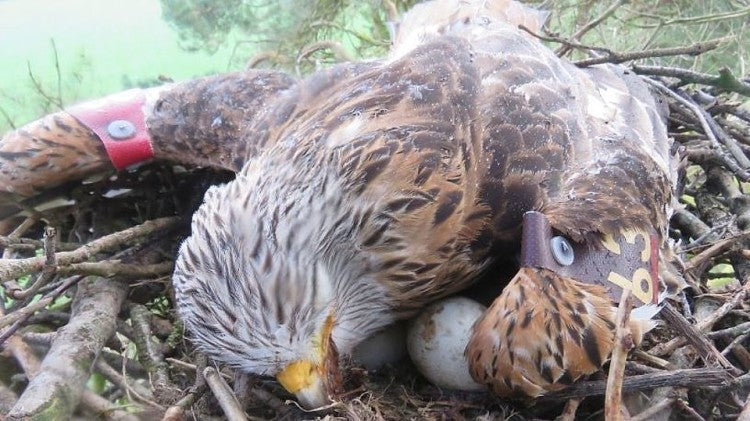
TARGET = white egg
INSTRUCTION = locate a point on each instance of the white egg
(436, 340)
(386, 346)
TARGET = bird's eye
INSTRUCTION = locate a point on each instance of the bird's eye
(562, 250)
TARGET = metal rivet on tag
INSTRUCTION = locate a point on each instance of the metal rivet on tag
(562, 250)
(121, 129)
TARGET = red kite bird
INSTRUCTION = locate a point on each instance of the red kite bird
(370, 189)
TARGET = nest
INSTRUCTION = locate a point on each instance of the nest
(88, 306)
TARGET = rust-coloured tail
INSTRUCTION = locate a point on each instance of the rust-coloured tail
(48, 152)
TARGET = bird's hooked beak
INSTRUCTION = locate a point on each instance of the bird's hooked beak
(315, 383)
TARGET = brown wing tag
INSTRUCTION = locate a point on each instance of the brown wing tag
(629, 260)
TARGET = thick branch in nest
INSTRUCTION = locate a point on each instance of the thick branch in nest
(14, 268)
(55, 392)
(695, 378)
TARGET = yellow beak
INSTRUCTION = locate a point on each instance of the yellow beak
(304, 380)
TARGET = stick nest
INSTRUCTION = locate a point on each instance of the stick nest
(88, 325)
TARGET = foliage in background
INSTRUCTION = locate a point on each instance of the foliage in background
(645, 24)
(282, 30)
(295, 35)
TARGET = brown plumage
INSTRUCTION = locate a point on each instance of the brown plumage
(544, 332)
(370, 189)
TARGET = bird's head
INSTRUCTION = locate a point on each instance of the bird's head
(555, 321)
(256, 291)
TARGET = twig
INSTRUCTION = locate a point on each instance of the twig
(13, 268)
(102, 408)
(24, 356)
(28, 244)
(20, 230)
(224, 395)
(622, 344)
(697, 19)
(58, 72)
(48, 272)
(725, 80)
(682, 405)
(8, 118)
(55, 391)
(654, 410)
(176, 411)
(621, 57)
(730, 332)
(112, 268)
(735, 342)
(591, 25)
(20, 315)
(569, 412)
(40, 90)
(700, 114)
(150, 355)
(689, 378)
(703, 325)
(134, 391)
(339, 52)
(662, 364)
(705, 348)
(745, 414)
(565, 42)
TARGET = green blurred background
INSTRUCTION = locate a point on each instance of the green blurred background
(57, 52)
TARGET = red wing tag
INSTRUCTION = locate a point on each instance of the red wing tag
(628, 261)
(119, 122)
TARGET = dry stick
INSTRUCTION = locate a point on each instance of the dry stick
(188, 367)
(703, 325)
(683, 406)
(30, 365)
(564, 41)
(591, 25)
(224, 395)
(18, 317)
(700, 114)
(654, 410)
(111, 268)
(725, 80)
(731, 144)
(149, 353)
(7, 398)
(715, 250)
(705, 348)
(730, 332)
(48, 272)
(24, 356)
(55, 392)
(13, 268)
(569, 412)
(639, 368)
(737, 341)
(339, 52)
(661, 363)
(621, 57)
(134, 391)
(176, 411)
(689, 378)
(18, 231)
(745, 414)
(103, 408)
(622, 344)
